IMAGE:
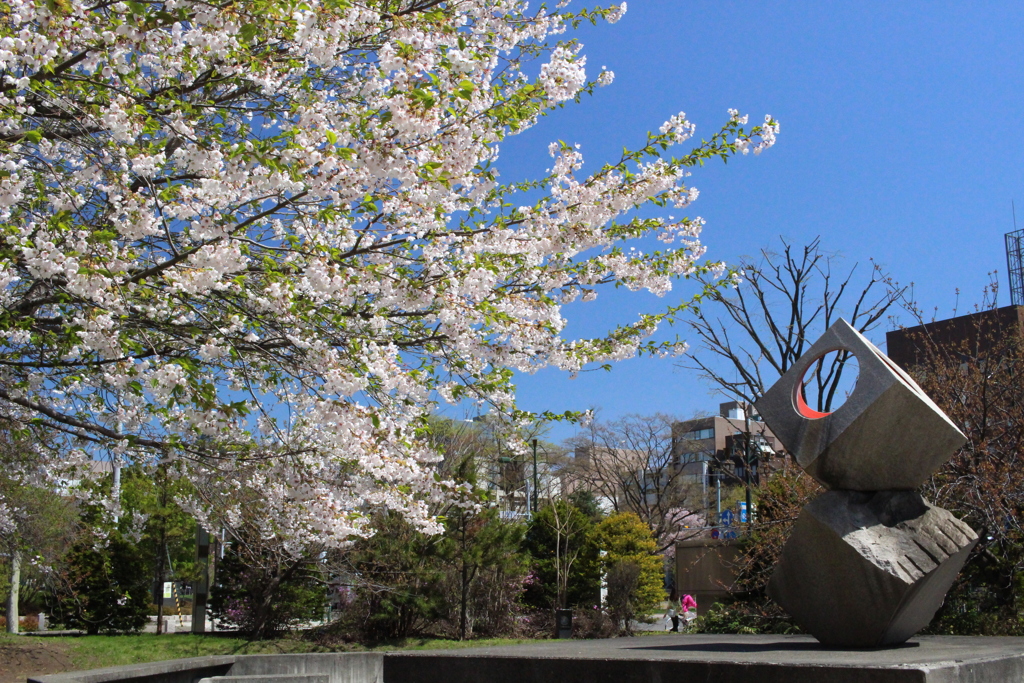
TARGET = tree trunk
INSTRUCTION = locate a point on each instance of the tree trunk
(160, 585)
(12, 597)
(463, 606)
(262, 627)
(464, 592)
(161, 548)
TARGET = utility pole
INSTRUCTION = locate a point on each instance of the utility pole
(162, 547)
(115, 462)
(718, 492)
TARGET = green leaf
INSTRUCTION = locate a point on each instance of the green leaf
(248, 32)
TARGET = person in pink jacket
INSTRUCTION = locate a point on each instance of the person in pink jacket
(688, 604)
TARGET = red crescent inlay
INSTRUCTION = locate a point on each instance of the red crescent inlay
(801, 404)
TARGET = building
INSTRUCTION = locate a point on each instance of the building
(971, 334)
(713, 449)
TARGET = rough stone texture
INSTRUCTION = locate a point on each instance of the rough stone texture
(869, 569)
(887, 435)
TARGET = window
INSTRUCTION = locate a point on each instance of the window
(698, 434)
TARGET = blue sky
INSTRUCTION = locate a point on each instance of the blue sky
(900, 142)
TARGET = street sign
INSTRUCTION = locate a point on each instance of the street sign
(727, 517)
(743, 512)
(715, 533)
(168, 590)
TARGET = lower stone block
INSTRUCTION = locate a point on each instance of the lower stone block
(867, 569)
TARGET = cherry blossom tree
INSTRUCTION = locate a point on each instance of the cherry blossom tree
(257, 240)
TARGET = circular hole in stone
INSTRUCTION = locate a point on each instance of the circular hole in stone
(827, 383)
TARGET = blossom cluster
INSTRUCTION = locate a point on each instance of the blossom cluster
(261, 242)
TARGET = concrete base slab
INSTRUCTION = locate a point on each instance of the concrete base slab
(716, 659)
(647, 659)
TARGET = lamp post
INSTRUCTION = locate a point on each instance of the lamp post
(536, 490)
(746, 470)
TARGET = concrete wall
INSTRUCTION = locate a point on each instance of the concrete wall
(173, 671)
(349, 667)
(706, 570)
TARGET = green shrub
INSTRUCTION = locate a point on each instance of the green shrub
(265, 591)
(565, 568)
(749, 617)
(636, 584)
(102, 588)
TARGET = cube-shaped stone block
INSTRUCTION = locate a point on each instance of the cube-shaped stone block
(887, 434)
(869, 569)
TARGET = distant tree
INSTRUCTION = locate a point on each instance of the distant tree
(264, 588)
(395, 576)
(979, 383)
(481, 548)
(632, 464)
(750, 336)
(43, 526)
(587, 503)
(103, 586)
(482, 557)
(565, 564)
(36, 523)
(634, 570)
(151, 517)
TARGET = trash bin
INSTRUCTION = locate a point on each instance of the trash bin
(563, 623)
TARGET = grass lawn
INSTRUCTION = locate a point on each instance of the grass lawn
(70, 653)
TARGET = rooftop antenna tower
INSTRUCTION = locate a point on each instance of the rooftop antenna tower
(1015, 261)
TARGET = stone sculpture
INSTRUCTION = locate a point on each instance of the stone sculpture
(870, 561)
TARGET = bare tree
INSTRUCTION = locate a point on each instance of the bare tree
(567, 524)
(979, 382)
(750, 336)
(631, 466)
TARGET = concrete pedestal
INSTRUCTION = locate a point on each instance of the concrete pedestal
(716, 659)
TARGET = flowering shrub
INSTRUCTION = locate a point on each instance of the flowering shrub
(263, 591)
(29, 623)
(264, 237)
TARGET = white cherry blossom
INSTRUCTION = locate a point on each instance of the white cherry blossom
(258, 242)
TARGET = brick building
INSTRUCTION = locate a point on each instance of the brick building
(971, 334)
